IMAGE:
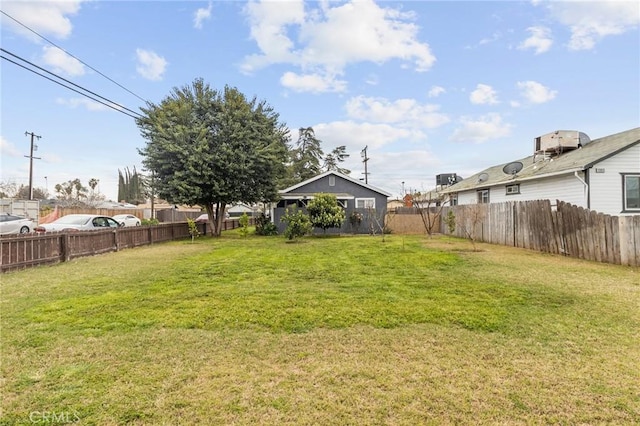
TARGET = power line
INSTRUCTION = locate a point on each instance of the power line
(109, 103)
(74, 57)
(70, 88)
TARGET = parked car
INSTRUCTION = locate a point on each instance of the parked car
(79, 222)
(204, 218)
(127, 219)
(12, 224)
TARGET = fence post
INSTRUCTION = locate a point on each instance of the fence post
(66, 249)
(624, 240)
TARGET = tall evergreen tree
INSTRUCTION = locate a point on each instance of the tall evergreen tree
(132, 186)
(306, 155)
(307, 159)
(334, 158)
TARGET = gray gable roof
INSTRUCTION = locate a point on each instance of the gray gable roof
(573, 161)
(332, 172)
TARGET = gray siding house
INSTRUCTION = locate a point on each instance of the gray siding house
(601, 175)
(353, 195)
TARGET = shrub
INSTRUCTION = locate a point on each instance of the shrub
(264, 226)
(244, 225)
(152, 221)
(193, 229)
(450, 220)
(324, 211)
(298, 223)
(355, 219)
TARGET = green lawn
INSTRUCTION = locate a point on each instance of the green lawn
(340, 330)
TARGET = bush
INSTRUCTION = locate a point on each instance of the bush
(244, 225)
(450, 220)
(298, 223)
(264, 226)
(153, 221)
(193, 229)
(355, 219)
(324, 211)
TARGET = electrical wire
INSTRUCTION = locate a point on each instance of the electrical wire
(74, 57)
(67, 81)
(110, 105)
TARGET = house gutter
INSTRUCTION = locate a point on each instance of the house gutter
(453, 189)
(586, 188)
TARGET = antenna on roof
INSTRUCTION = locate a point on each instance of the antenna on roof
(512, 168)
(483, 177)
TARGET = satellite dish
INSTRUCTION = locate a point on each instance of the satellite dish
(512, 168)
(483, 177)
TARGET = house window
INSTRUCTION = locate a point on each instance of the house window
(332, 181)
(365, 203)
(631, 192)
(483, 196)
(513, 189)
(453, 199)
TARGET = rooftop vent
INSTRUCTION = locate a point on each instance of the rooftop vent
(446, 179)
(555, 143)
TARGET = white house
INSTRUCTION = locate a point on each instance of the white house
(601, 175)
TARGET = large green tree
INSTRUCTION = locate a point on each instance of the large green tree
(212, 148)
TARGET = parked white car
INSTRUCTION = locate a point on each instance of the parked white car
(79, 222)
(12, 224)
(128, 219)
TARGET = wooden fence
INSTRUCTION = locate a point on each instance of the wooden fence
(23, 251)
(537, 225)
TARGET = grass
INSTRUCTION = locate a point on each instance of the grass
(345, 330)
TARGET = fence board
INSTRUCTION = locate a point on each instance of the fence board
(22, 251)
(566, 229)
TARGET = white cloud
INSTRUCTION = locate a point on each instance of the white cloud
(7, 148)
(314, 83)
(82, 103)
(494, 37)
(150, 65)
(436, 91)
(481, 129)
(353, 134)
(591, 21)
(269, 24)
(535, 92)
(202, 15)
(49, 18)
(61, 62)
(405, 112)
(329, 37)
(540, 40)
(483, 95)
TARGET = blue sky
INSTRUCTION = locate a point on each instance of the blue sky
(429, 87)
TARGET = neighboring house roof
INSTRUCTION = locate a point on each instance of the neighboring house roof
(576, 160)
(241, 208)
(332, 172)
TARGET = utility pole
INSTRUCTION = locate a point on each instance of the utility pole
(31, 158)
(363, 154)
